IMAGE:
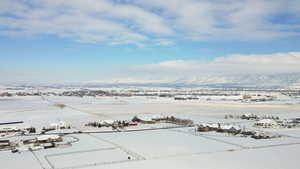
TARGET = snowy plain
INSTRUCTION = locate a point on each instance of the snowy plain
(166, 148)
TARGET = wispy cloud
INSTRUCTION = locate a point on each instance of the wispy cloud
(154, 22)
(84, 21)
(230, 19)
(164, 42)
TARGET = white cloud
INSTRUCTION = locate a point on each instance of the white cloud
(81, 20)
(227, 19)
(144, 21)
(229, 69)
(164, 42)
(233, 64)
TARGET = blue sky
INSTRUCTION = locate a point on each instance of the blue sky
(90, 40)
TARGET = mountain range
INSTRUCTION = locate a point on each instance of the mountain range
(284, 80)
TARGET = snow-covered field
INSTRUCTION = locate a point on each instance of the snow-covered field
(165, 148)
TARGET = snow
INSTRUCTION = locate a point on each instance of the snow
(18, 161)
(269, 158)
(47, 137)
(267, 121)
(168, 148)
(87, 158)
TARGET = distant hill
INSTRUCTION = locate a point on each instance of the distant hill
(284, 80)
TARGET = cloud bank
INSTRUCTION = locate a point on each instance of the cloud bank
(219, 70)
(233, 64)
(274, 68)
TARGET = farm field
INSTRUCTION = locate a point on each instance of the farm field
(160, 146)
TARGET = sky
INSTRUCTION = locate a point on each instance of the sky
(58, 41)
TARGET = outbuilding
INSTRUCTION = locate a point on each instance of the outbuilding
(266, 123)
(48, 138)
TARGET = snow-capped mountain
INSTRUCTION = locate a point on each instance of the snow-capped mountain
(285, 80)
